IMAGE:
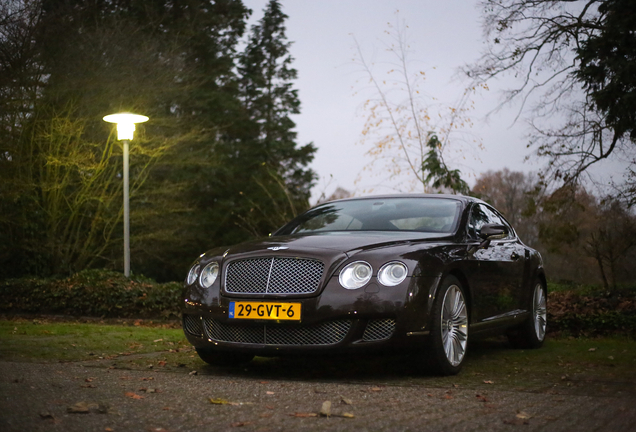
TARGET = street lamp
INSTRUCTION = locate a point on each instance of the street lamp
(125, 130)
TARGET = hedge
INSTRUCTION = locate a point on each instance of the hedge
(97, 293)
(589, 311)
(572, 310)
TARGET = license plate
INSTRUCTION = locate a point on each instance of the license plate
(265, 310)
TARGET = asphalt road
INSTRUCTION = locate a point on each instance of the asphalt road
(97, 396)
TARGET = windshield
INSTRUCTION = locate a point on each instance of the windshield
(439, 215)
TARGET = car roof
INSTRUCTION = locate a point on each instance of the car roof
(463, 198)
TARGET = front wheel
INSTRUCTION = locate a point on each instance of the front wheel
(216, 358)
(449, 328)
(531, 333)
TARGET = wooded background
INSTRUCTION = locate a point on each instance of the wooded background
(219, 160)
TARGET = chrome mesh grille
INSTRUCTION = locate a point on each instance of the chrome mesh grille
(273, 276)
(218, 331)
(327, 333)
(379, 329)
(192, 325)
(248, 276)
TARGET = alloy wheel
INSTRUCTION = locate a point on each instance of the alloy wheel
(454, 325)
(539, 306)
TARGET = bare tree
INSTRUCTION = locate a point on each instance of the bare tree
(611, 240)
(542, 44)
(513, 193)
(410, 134)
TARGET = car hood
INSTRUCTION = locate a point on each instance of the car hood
(330, 243)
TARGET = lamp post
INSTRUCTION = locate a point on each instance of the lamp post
(125, 130)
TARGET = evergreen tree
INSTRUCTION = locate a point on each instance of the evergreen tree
(172, 61)
(213, 160)
(275, 163)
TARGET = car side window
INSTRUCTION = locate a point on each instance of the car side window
(481, 215)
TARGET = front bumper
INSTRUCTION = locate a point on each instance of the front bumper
(374, 318)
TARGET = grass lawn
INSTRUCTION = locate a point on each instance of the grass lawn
(42, 340)
(562, 365)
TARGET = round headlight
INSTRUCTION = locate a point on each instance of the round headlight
(193, 274)
(355, 275)
(209, 274)
(392, 273)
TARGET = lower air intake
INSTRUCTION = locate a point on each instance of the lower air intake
(192, 325)
(379, 329)
(327, 333)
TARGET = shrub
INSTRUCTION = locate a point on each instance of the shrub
(98, 293)
(591, 311)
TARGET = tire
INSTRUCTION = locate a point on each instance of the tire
(531, 333)
(449, 328)
(216, 358)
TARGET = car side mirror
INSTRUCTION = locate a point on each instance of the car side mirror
(493, 231)
(487, 233)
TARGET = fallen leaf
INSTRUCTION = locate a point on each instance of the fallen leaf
(149, 390)
(269, 392)
(266, 415)
(240, 424)
(376, 389)
(78, 408)
(193, 373)
(611, 357)
(146, 379)
(46, 415)
(488, 382)
(299, 414)
(516, 421)
(89, 379)
(166, 408)
(133, 395)
(523, 415)
(109, 429)
(447, 396)
(161, 363)
(88, 386)
(325, 410)
(221, 401)
(482, 398)
(345, 400)
(157, 340)
(592, 349)
(347, 415)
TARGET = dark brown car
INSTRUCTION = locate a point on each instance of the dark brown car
(423, 272)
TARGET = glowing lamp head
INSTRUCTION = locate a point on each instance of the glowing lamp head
(125, 124)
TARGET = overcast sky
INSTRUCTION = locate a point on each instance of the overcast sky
(443, 36)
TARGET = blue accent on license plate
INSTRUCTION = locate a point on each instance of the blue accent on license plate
(231, 309)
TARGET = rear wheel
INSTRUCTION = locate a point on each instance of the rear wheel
(531, 333)
(449, 328)
(216, 358)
